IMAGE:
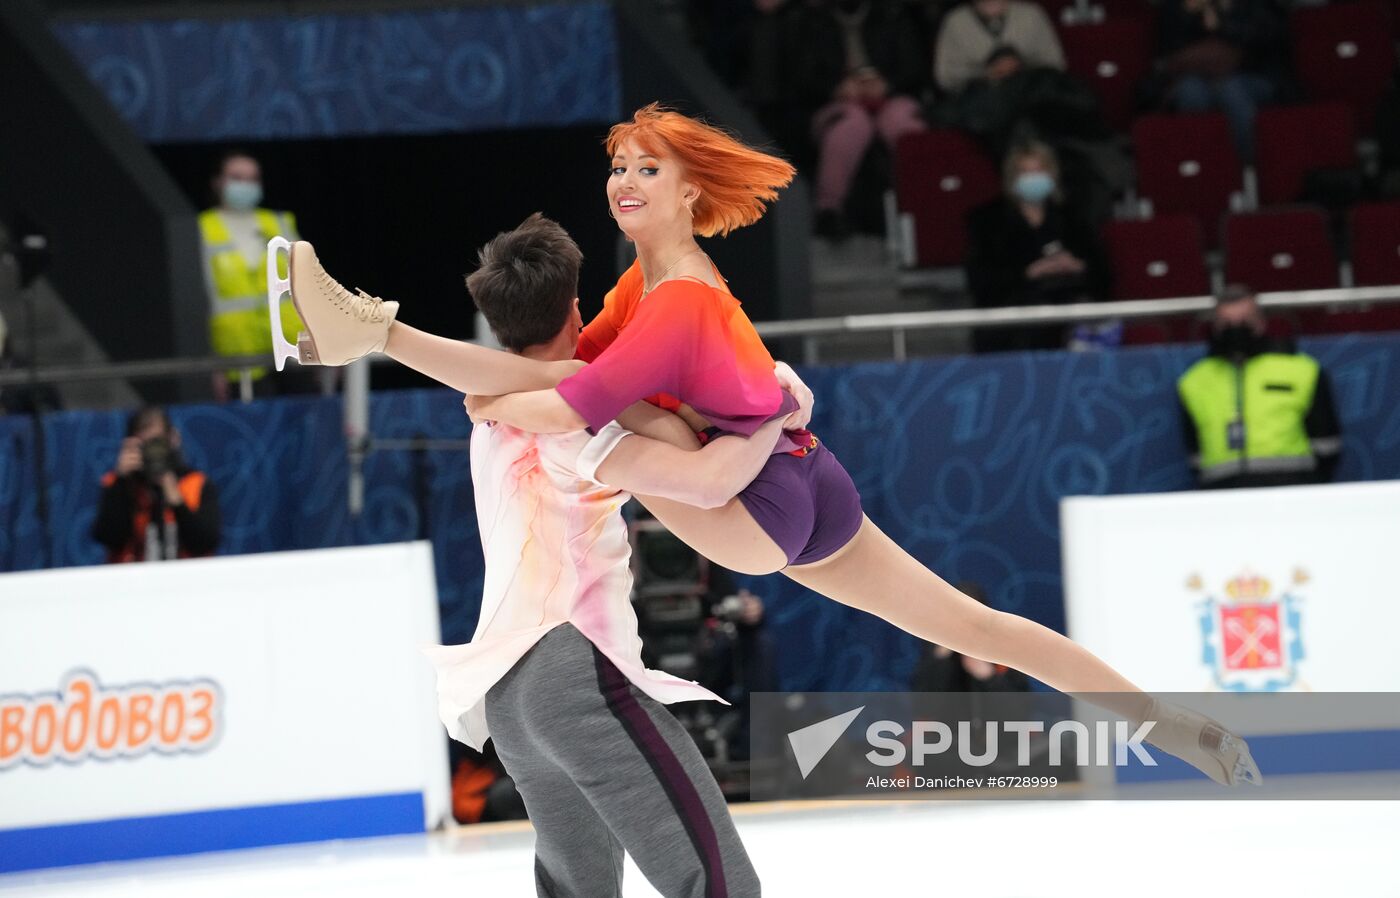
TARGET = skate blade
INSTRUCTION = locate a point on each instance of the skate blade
(277, 287)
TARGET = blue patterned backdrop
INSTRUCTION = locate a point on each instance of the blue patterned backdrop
(337, 75)
(962, 460)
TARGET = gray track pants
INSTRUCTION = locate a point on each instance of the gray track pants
(602, 768)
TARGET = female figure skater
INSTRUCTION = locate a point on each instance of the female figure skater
(671, 327)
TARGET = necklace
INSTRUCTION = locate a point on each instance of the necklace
(646, 289)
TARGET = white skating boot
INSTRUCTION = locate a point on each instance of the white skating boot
(1202, 743)
(340, 326)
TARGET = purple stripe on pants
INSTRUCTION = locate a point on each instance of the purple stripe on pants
(669, 771)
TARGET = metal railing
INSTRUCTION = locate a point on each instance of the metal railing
(896, 324)
(899, 324)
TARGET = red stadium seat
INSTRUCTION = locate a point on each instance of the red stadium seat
(1111, 57)
(1157, 258)
(1375, 244)
(939, 176)
(1281, 249)
(1375, 262)
(1098, 10)
(1294, 140)
(1345, 51)
(1187, 163)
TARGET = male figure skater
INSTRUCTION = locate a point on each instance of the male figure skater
(554, 671)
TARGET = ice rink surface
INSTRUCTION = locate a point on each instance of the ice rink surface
(969, 849)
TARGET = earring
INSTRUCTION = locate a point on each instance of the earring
(611, 214)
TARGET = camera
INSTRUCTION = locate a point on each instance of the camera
(157, 457)
(731, 609)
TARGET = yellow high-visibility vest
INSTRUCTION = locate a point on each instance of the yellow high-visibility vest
(238, 318)
(1265, 401)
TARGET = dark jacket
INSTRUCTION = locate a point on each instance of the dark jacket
(1002, 244)
(813, 52)
(128, 504)
(1046, 103)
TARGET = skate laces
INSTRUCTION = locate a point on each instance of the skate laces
(360, 304)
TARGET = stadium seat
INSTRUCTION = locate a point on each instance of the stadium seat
(1294, 140)
(1375, 244)
(1281, 249)
(1063, 11)
(1345, 51)
(939, 176)
(1111, 57)
(1187, 163)
(1157, 258)
(1375, 262)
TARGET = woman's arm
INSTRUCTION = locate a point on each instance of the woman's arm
(472, 369)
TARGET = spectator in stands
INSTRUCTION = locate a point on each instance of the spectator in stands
(1014, 102)
(940, 669)
(854, 69)
(235, 233)
(1226, 55)
(1255, 411)
(155, 507)
(971, 32)
(482, 790)
(735, 655)
(1031, 247)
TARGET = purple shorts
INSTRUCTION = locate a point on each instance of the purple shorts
(806, 504)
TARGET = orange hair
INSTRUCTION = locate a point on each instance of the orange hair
(736, 181)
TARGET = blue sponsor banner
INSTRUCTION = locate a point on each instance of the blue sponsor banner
(215, 830)
(419, 72)
(962, 461)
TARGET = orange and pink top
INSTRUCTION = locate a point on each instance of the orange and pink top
(684, 342)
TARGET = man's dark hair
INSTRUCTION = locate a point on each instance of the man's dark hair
(526, 281)
(228, 156)
(143, 418)
(1235, 293)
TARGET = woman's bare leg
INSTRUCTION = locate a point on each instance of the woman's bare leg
(874, 574)
(727, 535)
(468, 368)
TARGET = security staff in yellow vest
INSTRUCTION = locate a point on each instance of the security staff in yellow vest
(1256, 412)
(235, 235)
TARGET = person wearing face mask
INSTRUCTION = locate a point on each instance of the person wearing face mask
(1031, 247)
(1255, 411)
(234, 235)
(154, 506)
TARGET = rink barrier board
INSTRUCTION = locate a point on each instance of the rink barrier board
(224, 829)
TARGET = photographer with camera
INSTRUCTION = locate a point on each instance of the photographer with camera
(736, 656)
(154, 507)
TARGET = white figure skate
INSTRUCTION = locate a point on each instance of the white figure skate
(340, 326)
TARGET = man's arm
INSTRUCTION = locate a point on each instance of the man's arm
(1323, 429)
(112, 526)
(199, 527)
(706, 479)
(538, 411)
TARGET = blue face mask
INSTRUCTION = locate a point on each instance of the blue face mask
(1034, 186)
(243, 195)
